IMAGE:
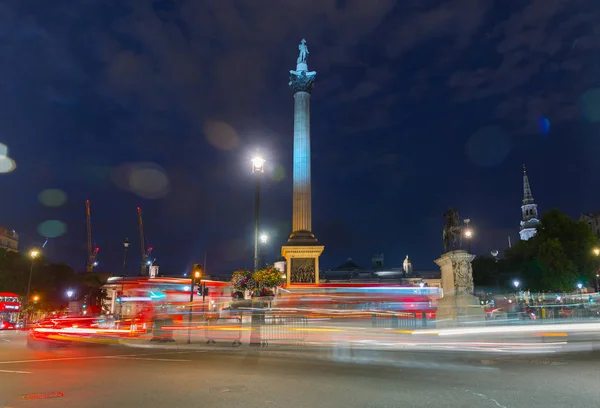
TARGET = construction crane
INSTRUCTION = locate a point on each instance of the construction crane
(142, 242)
(92, 254)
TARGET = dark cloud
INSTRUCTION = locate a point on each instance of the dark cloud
(195, 87)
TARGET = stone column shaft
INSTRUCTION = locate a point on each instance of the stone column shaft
(302, 186)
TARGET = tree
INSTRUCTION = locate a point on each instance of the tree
(49, 281)
(559, 255)
(488, 272)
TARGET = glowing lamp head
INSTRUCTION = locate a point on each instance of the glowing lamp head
(197, 274)
(264, 238)
(469, 233)
(36, 298)
(95, 263)
(579, 285)
(34, 253)
(596, 251)
(126, 243)
(516, 283)
(258, 165)
(69, 293)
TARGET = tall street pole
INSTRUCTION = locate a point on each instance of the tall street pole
(257, 168)
(125, 246)
(33, 255)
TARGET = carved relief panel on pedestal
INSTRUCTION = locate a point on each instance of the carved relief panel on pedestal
(302, 270)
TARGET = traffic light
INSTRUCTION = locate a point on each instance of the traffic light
(197, 272)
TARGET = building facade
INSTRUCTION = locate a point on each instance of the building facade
(529, 212)
(351, 272)
(593, 221)
(9, 239)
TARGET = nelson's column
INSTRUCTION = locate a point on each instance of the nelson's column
(302, 250)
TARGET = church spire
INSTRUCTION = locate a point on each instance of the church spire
(529, 210)
(527, 196)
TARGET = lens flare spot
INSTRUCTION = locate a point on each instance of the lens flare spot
(278, 173)
(544, 125)
(221, 135)
(7, 164)
(488, 146)
(52, 228)
(149, 181)
(590, 104)
(52, 197)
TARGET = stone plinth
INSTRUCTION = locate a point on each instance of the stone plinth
(301, 253)
(458, 306)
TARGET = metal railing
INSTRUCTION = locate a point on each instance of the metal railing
(407, 321)
(227, 329)
(288, 329)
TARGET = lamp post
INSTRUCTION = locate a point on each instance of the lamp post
(196, 276)
(125, 246)
(33, 254)
(597, 253)
(580, 287)
(516, 283)
(258, 167)
(468, 234)
(263, 241)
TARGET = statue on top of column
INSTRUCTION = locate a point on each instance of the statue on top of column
(452, 230)
(303, 52)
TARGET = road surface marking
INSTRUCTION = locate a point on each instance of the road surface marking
(43, 396)
(15, 372)
(146, 358)
(83, 358)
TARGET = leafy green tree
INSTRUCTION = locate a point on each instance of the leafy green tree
(49, 281)
(559, 255)
(488, 272)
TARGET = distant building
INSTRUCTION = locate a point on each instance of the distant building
(530, 221)
(351, 272)
(9, 239)
(593, 221)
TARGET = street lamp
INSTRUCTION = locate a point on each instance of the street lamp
(69, 294)
(597, 253)
(580, 287)
(258, 167)
(264, 238)
(125, 246)
(33, 254)
(468, 234)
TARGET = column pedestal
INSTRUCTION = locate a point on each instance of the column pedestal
(458, 306)
(301, 254)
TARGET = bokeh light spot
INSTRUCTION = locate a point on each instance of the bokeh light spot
(278, 173)
(221, 135)
(590, 104)
(52, 228)
(488, 146)
(544, 125)
(52, 197)
(7, 164)
(149, 180)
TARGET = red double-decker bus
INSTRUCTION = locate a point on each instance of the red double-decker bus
(10, 307)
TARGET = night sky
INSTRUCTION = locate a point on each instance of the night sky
(418, 104)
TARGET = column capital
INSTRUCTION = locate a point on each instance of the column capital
(301, 81)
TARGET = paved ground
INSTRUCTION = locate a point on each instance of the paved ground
(104, 376)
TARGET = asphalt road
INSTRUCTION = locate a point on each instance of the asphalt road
(118, 376)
